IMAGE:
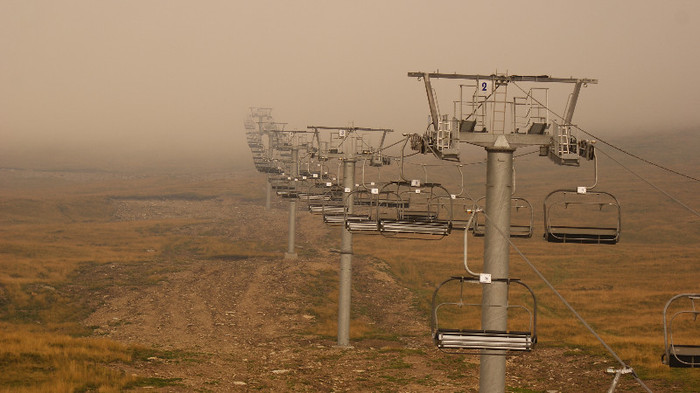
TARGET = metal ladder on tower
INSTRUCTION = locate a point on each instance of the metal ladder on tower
(479, 109)
(500, 96)
(444, 134)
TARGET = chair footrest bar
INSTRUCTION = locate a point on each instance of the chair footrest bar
(484, 339)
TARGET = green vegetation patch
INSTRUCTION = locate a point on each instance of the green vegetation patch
(145, 354)
(154, 382)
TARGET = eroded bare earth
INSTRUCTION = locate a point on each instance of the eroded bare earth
(236, 323)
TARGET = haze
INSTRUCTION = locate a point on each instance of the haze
(174, 78)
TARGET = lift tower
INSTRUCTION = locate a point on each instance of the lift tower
(261, 119)
(500, 126)
(289, 143)
(347, 145)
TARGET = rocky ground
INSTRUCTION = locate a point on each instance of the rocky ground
(236, 323)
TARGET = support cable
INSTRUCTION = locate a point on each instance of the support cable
(570, 307)
(636, 156)
(392, 145)
(690, 209)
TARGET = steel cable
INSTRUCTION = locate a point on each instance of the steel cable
(652, 185)
(570, 307)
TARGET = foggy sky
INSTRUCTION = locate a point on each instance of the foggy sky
(175, 75)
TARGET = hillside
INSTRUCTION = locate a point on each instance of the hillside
(179, 273)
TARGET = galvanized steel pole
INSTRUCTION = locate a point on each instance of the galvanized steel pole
(494, 315)
(268, 194)
(291, 252)
(345, 283)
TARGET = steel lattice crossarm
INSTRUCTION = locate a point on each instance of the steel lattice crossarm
(492, 118)
(286, 146)
(504, 78)
(288, 139)
(256, 121)
(258, 115)
(347, 142)
(263, 118)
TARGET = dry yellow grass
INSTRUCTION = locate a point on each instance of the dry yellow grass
(34, 361)
(50, 228)
(620, 290)
(54, 225)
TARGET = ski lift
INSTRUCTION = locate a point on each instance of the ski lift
(681, 355)
(333, 208)
(266, 165)
(462, 206)
(312, 188)
(331, 205)
(331, 201)
(522, 218)
(303, 188)
(460, 312)
(364, 211)
(334, 217)
(581, 216)
(292, 189)
(341, 213)
(316, 191)
(368, 184)
(281, 182)
(424, 209)
(372, 207)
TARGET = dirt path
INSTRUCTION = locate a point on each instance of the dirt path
(247, 325)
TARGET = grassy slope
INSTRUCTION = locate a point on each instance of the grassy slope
(52, 226)
(55, 227)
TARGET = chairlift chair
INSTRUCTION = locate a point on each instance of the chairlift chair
(473, 340)
(522, 219)
(371, 207)
(363, 218)
(332, 208)
(681, 355)
(342, 215)
(265, 165)
(280, 183)
(462, 209)
(306, 187)
(572, 216)
(463, 206)
(327, 207)
(309, 187)
(316, 191)
(426, 210)
(290, 190)
(331, 205)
